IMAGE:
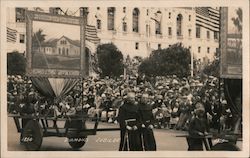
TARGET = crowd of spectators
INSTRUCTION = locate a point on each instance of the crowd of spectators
(172, 99)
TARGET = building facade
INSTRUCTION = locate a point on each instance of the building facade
(139, 31)
(63, 46)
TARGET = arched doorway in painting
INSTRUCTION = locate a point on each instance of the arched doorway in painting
(63, 51)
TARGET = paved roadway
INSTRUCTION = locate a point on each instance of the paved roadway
(104, 141)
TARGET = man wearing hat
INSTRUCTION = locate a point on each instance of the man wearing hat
(197, 129)
(129, 120)
(147, 120)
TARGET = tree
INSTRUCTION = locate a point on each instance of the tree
(110, 60)
(238, 24)
(16, 64)
(238, 20)
(212, 69)
(38, 38)
(174, 60)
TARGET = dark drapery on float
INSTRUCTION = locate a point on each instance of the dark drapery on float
(43, 86)
(54, 87)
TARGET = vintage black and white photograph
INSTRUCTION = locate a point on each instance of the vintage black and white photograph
(123, 78)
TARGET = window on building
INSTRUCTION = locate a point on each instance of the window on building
(208, 50)
(198, 32)
(98, 8)
(216, 35)
(189, 18)
(199, 49)
(217, 51)
(136, 20)
(147, 12)
(159, 46)
(136, 45)
(189, 47)
(111, 18)
(20, 15)
(63, 42)
(208, 34)
(157, 28)
(124, 27)
(189, 32)
(99, 24)
(169, 15)
(22, 38)
(170, 31)
(148, 30)
(124, 9)
(179, 25)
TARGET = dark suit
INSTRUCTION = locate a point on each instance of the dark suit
(147, 119)
(129, 115)
(195, 140)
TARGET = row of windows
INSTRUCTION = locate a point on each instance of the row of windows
(63, 51)
(135, 22)
(160, 46)
(63, 42)
(135, 26)
(198, 33)
(147, 12)
(208, 50)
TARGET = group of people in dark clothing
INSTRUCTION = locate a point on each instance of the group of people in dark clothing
(136, 123)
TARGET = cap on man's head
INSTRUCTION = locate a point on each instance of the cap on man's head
(145, 95)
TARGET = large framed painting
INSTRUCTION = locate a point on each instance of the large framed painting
(55, 45)
(231, 42)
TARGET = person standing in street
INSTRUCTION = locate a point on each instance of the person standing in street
(129, 120)
(147, 120)
(197, 129)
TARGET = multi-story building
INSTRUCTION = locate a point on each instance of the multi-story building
(138, 31)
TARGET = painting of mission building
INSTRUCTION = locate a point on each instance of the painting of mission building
(53, 49)
(61, 47)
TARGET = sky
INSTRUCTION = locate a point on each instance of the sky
(55, 30)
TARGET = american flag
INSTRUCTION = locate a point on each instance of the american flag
(208, 17)
(11, 35)
(91, 34)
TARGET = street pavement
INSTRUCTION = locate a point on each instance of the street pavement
(103, 141)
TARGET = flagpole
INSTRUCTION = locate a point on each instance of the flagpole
(192, 63)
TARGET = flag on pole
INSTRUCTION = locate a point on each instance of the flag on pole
(91, 34)
(208, 17)
(11, 35)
